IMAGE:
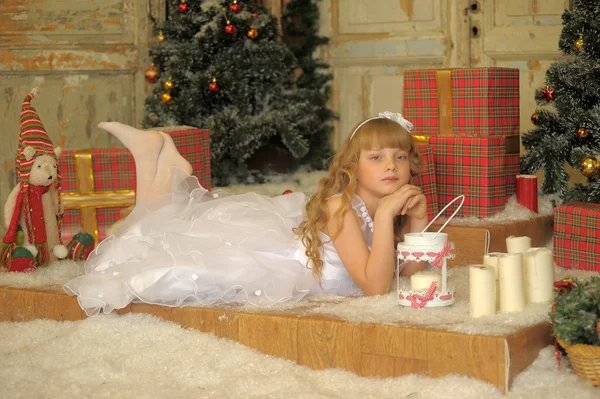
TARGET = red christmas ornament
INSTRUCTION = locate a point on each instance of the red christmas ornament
(183, 7)
(286, 192)
(535, 118)
(235, 7)
(255, 15)
(548, 94)
(230, 29)
(152, 74)
(213, 86)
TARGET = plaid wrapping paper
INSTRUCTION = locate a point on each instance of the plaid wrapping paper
(577, 236)
(426, 180)
(484, 169)
(194, 145)
(462, 102)
(113, 172)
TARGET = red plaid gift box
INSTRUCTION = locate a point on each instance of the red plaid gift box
(98, 183)
(577, 236)
(194, 145)
(462, 102)
(426, 180)
(484, 169)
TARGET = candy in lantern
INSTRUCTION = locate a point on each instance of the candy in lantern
(581, 133)
(166, 98)
(229, 28)
(579, 43)
(160, 37)
(589, 167)
(213, 86)
(252, 33)
(235, 7)
(152, 74)
(183, 7)
(168, 85)
(535, 118)
(548, 94)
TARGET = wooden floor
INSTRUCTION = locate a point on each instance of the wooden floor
(325, 342)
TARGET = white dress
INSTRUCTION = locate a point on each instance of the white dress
(195, 247)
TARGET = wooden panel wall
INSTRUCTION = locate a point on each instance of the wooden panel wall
(88, 60)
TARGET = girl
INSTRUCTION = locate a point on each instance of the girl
(183, 245)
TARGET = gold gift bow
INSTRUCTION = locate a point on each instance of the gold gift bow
(87, 200)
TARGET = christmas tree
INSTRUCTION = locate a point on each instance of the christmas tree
(300, 32)
(567, 126)
(222, 65)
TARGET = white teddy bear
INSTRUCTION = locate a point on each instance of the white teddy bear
(33, 207)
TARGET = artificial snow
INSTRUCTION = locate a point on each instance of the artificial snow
(141, 356)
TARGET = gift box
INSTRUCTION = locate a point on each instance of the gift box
(194, 145)
(98, 183)
(484, 169)
(462, 102)
(577, 236)
(426, 180)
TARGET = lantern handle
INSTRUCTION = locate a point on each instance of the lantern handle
(462, 198)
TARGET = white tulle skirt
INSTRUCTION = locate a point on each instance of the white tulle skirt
(194, 248)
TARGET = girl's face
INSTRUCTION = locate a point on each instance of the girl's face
(382, 171)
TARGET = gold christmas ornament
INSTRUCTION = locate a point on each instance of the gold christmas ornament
(160, 37)
(589, 167)
(535, 118)
(579, 43)
(166, 98)
(168, 85)
(581, 133)
(252, 33)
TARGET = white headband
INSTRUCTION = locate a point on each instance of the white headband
(396, 117)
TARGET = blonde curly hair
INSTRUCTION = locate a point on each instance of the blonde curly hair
(341, 179)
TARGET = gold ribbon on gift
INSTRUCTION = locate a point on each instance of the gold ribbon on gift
(87, 200)
(444, 97)
(512, 144)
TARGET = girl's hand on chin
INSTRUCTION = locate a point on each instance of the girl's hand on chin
(416, 207)
(404, 201)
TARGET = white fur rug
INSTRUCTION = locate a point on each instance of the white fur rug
(139, 356)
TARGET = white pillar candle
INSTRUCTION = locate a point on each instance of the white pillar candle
(491, 260)
(510, 278)
(517, 244)
(482, 290)
(422, 281)
(539, 268)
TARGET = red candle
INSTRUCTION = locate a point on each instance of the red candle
(527, 191)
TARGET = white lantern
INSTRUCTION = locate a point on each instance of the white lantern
(432, 247)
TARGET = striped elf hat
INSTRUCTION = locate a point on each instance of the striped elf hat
(33, 140)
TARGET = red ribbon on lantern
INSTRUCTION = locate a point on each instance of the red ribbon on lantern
(439, 256)
(419, 301)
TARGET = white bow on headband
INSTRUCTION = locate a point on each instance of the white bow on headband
(394, 116)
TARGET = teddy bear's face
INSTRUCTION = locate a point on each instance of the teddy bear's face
(43, 171)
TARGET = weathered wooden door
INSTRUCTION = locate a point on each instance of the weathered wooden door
(374, 41)
(88, 59)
